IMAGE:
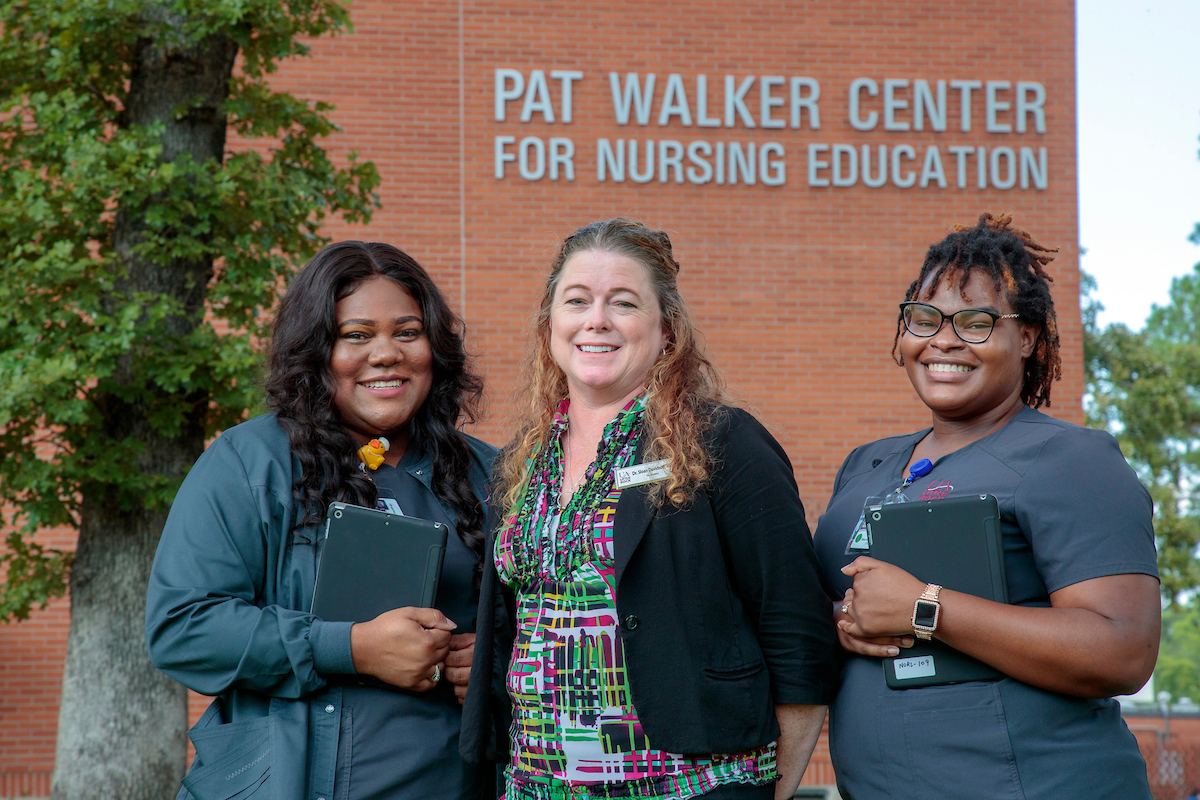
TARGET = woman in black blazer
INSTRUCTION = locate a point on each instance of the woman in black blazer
(660, 629)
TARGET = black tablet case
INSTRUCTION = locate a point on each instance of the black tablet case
(373, 561)
(956, 543)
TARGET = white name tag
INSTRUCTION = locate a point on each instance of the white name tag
(638, 474)
(915, 667)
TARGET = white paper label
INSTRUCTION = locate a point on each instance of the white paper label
(915, 667)
(638, 474)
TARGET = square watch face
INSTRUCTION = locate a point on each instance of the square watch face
(925, 614)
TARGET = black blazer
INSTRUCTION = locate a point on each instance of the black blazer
(720, 609)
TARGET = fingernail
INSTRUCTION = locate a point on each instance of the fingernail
(907, 641)
(893, 651)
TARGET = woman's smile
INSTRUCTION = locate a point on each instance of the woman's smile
(385, 387)
(947, 368)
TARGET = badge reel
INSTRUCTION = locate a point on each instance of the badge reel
(860, 540)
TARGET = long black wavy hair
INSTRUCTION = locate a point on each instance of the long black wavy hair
(300, 386)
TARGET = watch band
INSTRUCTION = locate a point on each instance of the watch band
(929, 610)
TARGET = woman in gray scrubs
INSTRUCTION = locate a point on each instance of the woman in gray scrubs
(364, 349)
(978, 338)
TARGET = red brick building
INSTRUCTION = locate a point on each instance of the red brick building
(801, 155)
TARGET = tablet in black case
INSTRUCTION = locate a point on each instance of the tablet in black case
(373, 561)
(955, 543)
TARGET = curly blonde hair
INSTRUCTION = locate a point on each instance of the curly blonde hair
(684, 391)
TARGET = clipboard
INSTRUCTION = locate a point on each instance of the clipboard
(956, 543)
(374, 561)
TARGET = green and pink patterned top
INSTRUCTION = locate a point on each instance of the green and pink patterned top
(575, 732)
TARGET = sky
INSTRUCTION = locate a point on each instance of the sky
(1139, 133)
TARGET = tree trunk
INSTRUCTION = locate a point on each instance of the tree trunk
(122, 724)
(121, 727)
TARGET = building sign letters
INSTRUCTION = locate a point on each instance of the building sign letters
(763, 105)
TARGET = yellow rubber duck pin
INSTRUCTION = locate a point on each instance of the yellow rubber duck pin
(372, 452)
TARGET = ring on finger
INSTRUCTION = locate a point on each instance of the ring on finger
(437, 673)
(845, 608)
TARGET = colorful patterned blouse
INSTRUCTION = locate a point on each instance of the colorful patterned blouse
(575, 731)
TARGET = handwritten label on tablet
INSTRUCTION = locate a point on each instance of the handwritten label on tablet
(915, 667)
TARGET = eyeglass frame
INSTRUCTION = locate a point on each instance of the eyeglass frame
(995, 318)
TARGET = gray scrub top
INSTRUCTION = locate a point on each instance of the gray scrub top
(404, 745)
(1071, 510)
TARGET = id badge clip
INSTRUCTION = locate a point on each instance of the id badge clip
(860, 539)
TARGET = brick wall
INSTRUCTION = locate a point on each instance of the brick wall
(1172, 762)
(794, 285)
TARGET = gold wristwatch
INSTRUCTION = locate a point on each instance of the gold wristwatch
(926, 611)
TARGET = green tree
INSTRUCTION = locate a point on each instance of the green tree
(128, 238)
(1144, 387)
(1178, 669)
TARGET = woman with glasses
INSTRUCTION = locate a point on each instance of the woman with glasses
(978, 338)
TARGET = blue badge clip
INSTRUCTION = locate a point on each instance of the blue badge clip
(922, 467)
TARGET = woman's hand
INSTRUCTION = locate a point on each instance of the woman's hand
(799, 729)
(458, 663)
(402, 647)
(1098, 638)
(880, 604)
(877, 646)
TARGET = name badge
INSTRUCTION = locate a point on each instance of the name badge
(638, 474)
(914, 667)
(386, 501)
(389, 505)
(860, 540)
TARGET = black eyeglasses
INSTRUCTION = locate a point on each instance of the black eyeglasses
(973, 325)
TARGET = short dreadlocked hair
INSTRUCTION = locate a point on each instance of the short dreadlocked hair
(1017, 267)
